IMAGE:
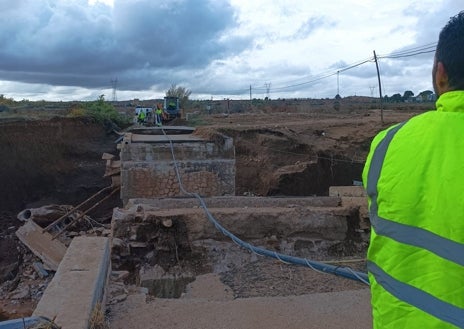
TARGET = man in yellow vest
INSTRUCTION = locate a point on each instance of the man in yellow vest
(158, 115)
(141, 116)
(414, 177)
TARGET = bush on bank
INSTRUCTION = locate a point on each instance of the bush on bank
(102, 112)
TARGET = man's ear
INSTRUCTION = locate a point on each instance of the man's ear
(441, 79)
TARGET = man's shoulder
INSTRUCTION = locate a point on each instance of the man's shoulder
(417, 119)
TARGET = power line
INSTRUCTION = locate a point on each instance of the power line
(414, 51)
(409, 55)
(428, 48)
(321, 77)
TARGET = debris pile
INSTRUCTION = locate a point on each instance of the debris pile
(24, 275)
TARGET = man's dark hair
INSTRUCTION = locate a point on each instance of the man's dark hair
(450, 50)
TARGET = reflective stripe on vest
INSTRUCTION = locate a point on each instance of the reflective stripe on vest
(413, 236)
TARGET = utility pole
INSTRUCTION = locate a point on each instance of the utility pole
(251, 101)
(114, 86)
(338, 83)
(268, 88)
(380, 87)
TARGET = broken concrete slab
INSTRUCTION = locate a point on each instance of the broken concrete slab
(42, 244)
(79, 284)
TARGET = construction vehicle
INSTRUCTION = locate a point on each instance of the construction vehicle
(171, 108)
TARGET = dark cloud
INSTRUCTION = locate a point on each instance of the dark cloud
(150, 44)
(139, 42)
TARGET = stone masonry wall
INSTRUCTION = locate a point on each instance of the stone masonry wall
(205, 167)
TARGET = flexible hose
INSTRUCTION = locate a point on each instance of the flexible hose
(345, 272)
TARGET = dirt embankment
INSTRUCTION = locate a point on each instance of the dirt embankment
(53, 161)
(300, 154)
(279, 161)
(293, 154)
(44, 162)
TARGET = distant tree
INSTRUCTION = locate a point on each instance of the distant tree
(6, 101)
(396, 98)
(425, 95)
(104, 112)
(407, 94)
(181, 92)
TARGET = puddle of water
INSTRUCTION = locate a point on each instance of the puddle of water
(167, 287)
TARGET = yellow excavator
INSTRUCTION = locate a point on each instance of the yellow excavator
(171, 108)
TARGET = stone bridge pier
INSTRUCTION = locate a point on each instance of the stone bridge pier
(206, 166)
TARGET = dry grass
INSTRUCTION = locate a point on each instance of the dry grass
(98, 320)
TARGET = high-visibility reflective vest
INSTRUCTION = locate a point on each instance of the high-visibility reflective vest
(414, 177)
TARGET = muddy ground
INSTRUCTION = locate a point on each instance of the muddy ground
(284, 152)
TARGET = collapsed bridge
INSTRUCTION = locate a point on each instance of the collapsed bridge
(162, 238)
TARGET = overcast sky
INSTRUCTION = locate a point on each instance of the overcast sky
(79, 49)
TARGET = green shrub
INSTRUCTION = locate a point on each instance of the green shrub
(77, 112)
(103, 112)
